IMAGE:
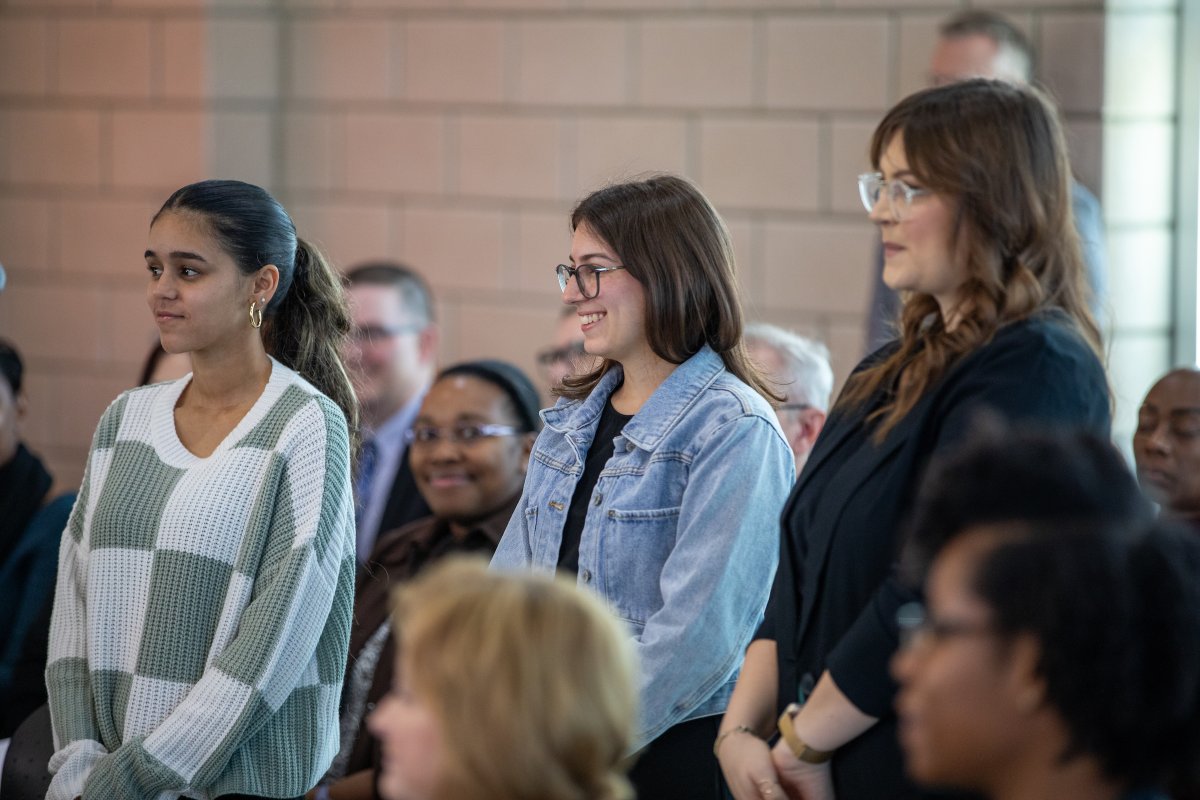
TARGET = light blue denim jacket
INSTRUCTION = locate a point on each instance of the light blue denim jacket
(682, 535)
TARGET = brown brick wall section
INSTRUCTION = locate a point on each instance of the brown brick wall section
(453, 134)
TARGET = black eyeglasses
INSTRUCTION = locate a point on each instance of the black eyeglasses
(428, 435)
(917, 625)
(793, 407)
(587, 277)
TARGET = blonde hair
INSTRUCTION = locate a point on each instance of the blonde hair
(532, 680)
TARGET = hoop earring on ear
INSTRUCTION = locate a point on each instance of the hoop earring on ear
(256, 315)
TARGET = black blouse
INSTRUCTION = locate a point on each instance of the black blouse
(601, 450)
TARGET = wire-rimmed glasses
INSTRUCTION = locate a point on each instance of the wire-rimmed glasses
(587, 277)
(899, 194)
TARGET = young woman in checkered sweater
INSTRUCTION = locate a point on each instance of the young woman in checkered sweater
(206, 575)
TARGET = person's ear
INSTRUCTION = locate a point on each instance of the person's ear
(1025, 683)
(21, 403)
(266, 281)
(427, 343)
(812, 420)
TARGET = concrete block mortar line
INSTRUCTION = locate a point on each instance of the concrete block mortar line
(396, 233)
(753, 275)
(51, 55)
(107, 143)
(758, 67)
(278, 124)
(157, 59)
(89, 103)
(339, 157)
(510, 244)
(633, 49)
(448, 326)
(447, 200)
(893, 57)
(568, 145)
(452, 132)
(54, 242)
(825, 165)
(692, 157)
(510, 85)
(397, 48)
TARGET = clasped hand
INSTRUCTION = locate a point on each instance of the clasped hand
(756, 772)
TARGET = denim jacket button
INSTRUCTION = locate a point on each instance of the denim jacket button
(597, 498)
(586, 575)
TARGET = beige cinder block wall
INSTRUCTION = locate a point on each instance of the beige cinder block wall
(454, 135)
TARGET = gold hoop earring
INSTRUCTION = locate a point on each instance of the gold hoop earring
(256, 315)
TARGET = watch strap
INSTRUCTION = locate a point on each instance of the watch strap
(802, 751)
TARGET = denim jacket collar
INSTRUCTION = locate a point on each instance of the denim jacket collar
(577, 419)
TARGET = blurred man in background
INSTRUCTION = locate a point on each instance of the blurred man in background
(799, 369)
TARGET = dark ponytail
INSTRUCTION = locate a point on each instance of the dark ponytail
(307, 328)
(307, 320)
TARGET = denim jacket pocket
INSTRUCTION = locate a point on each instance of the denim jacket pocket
(634, 547)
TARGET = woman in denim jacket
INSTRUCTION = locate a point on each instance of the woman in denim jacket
(659, 476)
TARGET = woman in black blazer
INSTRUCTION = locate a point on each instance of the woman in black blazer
(972, 198)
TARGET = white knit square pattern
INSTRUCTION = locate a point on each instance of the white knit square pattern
(202, 608)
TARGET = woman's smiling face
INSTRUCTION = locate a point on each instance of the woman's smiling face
(465, 481)
(613, 322)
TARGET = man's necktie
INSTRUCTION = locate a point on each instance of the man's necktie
(366, 473)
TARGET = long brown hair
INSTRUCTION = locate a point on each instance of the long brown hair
(672, 240)
(996, 152)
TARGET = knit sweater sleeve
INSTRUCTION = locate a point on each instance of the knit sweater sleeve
(77, 745)
(305, 576)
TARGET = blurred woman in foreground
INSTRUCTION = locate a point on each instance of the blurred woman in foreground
(1057, 653)
(508, 687)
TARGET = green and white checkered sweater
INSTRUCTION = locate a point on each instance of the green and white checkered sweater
(202, 612)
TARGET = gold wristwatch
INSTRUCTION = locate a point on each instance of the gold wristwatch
(800, 750)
